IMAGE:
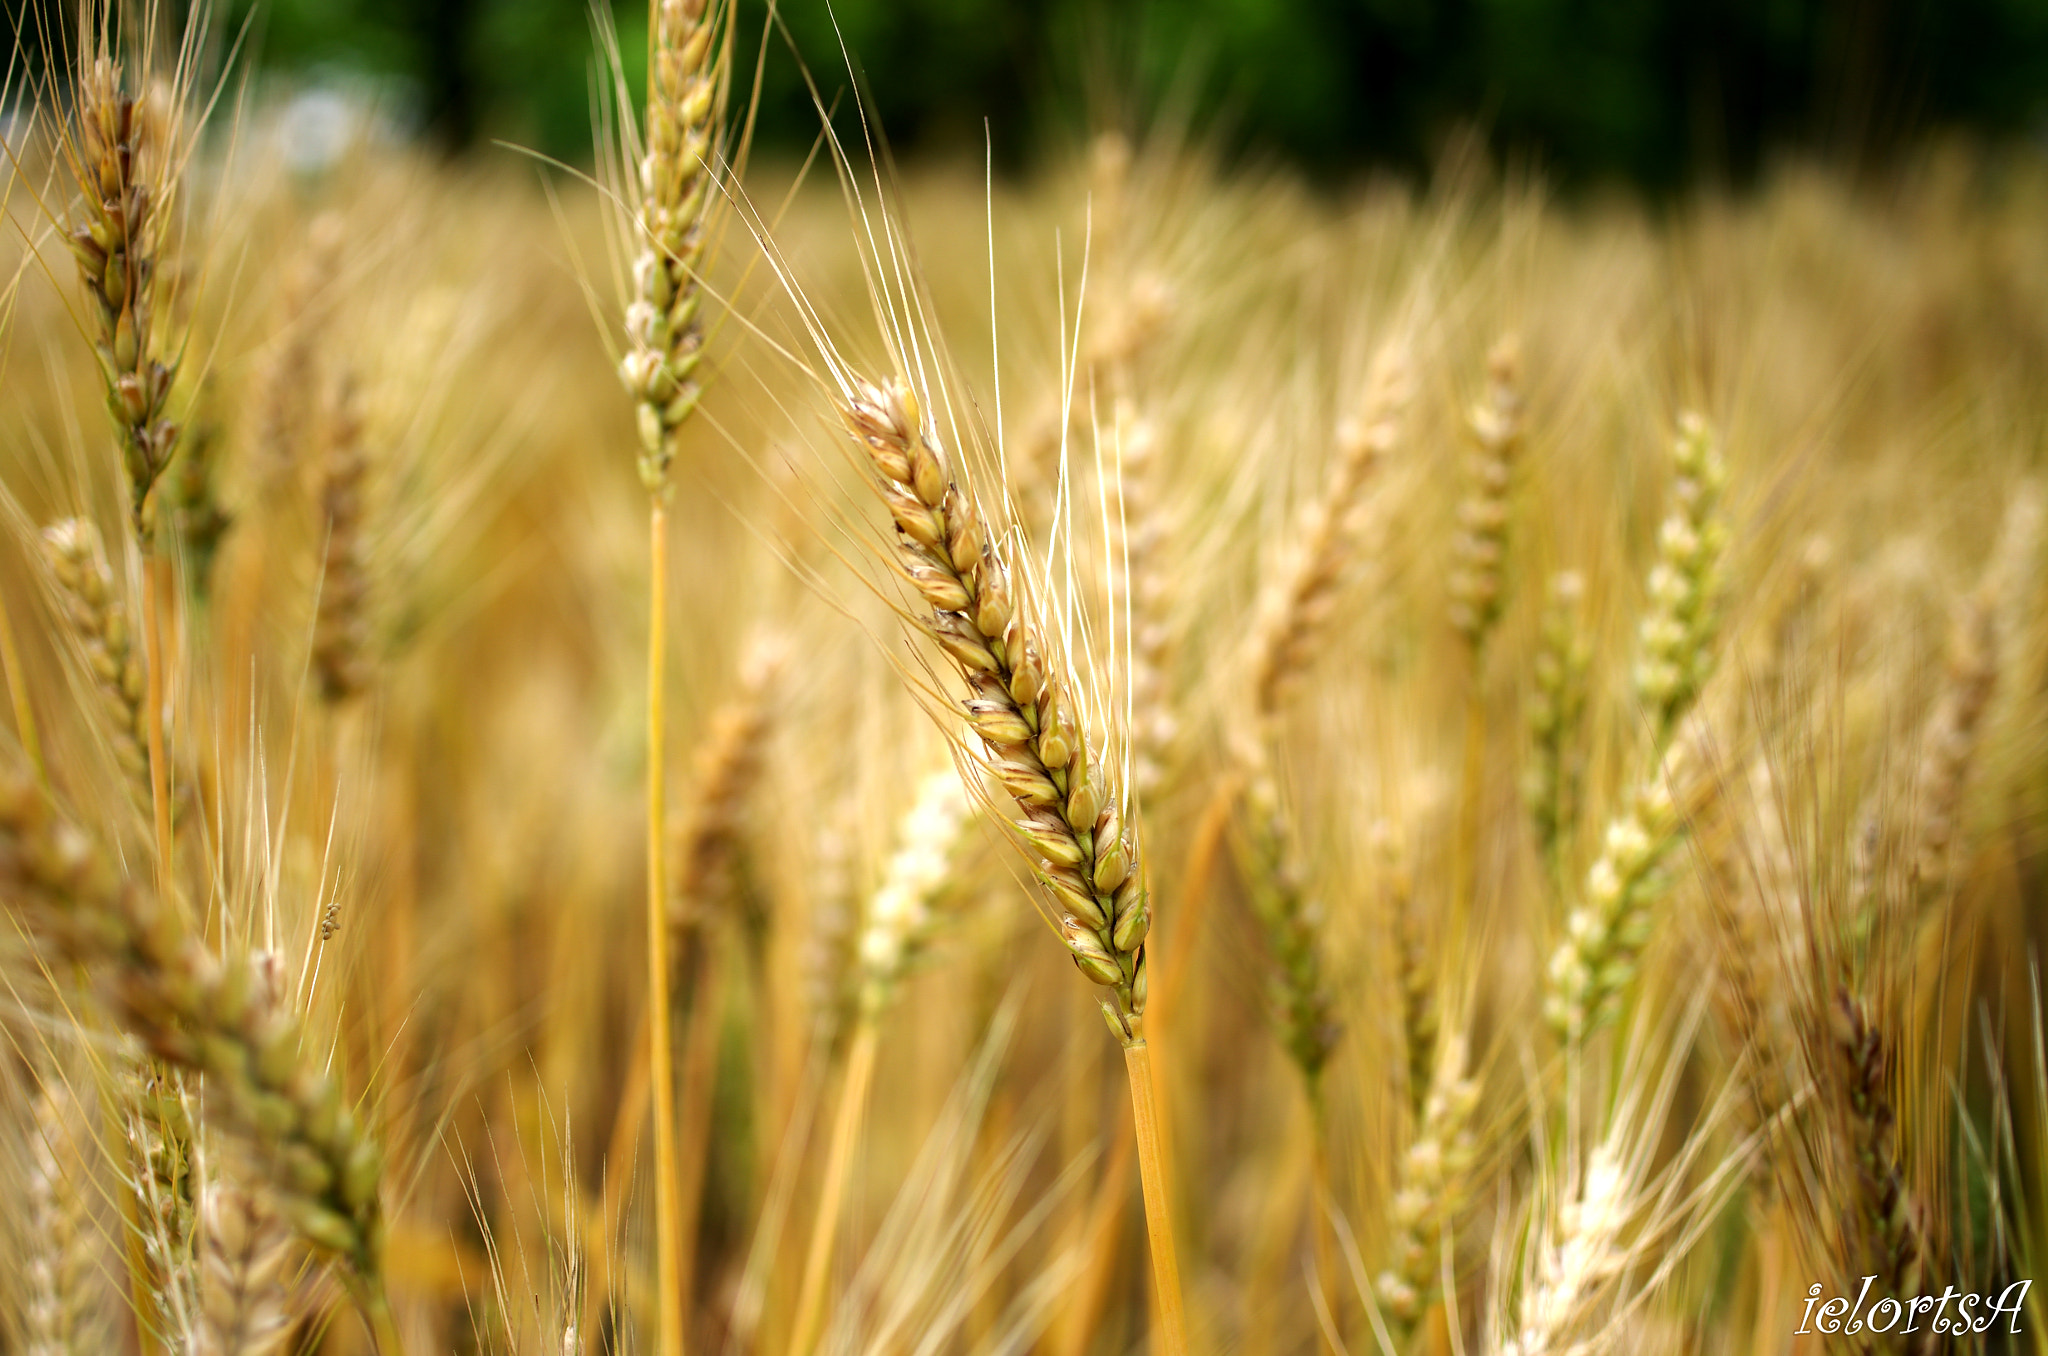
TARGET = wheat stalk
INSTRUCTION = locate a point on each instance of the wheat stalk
(674, 192)
(896, 926)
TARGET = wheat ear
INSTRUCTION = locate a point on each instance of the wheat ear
(341, 633)
(1676, 637)
(1431, 1190)
(290, 383)
(123, 151)
(158, 1122)
(1292, 920)
(1557, 710)
(1023, 711)
(1594, 967)
(1293, 614)
(99, 623)
(1884, 1213)
(242, 1282)
(897, 924)
(1480, 548)
(674, 195)
(202, 520)
(706, 845)
(59, 1309)
(203, 1014)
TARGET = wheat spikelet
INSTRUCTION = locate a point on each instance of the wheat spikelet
(200, 1013)
(99, 623)
(59, 1310)
(242, 1281)
(1069, 799)
(341, 629)
(678, 190)
(1294, 611)
(1480, 548)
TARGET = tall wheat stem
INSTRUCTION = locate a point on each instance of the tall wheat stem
(693, 1115)
(668, 1227)
(853, 1098)
(1171, 1339)
(1465, 864)
(1322, 1229)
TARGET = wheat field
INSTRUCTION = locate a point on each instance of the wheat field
(567, 736)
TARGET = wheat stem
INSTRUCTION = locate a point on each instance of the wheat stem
(1322, 1227)
(853, 1098)
(694, 1096)
(668, 1226)
(1171, 1339)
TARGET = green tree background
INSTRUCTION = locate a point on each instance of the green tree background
(1653, 92)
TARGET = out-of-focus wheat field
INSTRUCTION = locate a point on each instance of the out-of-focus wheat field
(1573, 673)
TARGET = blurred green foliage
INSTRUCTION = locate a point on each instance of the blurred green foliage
(1656, 92)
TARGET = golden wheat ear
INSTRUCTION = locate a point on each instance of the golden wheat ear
(209, 1016)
